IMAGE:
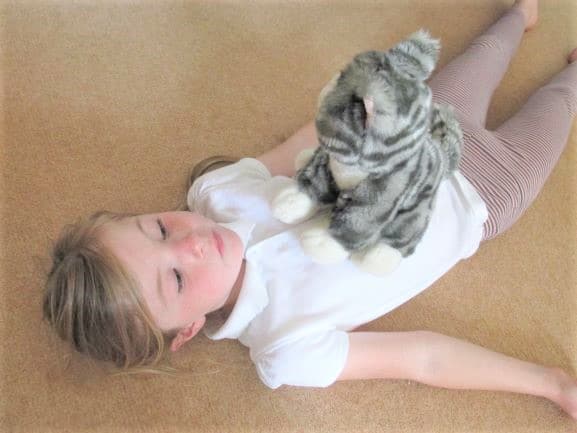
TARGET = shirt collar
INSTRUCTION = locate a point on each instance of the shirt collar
(252, 297)
(242, 228)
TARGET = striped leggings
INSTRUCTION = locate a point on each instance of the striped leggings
(509, 165)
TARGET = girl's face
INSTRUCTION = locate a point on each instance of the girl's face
(186, 265)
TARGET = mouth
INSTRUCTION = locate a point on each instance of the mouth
(218, 242)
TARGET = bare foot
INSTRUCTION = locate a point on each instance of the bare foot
(572, 56)
(530, 9)
(567, 397)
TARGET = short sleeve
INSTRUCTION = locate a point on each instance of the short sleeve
(312, 361)
(475, 212)
(225, 193)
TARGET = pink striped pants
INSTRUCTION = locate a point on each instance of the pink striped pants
(509, 165)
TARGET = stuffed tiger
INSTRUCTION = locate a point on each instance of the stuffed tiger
(384, 149)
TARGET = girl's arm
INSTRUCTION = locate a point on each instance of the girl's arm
(442, 361)
(280, 160)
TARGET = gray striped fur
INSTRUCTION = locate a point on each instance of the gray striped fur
(409, 146)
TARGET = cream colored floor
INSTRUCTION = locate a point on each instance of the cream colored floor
(108, 105)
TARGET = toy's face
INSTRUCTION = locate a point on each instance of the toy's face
(394, 102)
(338, 106)
(375, 98)
(329, 87)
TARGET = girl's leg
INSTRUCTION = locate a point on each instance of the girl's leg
(510, 165)
(468, 82)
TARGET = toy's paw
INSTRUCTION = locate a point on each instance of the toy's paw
(379, 260)
(303, 158)
(293, 206)
(321, 246)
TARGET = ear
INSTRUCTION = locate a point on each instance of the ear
(329, 87)
(416, 57)
(186, 334)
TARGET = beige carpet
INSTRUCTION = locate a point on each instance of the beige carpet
(107, 104)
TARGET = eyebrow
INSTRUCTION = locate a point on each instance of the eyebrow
(158, 278)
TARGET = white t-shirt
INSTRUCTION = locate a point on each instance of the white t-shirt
(292, 313)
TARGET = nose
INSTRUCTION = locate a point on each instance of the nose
(191, 245)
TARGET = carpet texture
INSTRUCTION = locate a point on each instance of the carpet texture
(108, 104)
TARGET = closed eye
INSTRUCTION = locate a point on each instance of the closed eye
(162, 228)
(178, 280)
(164, 233)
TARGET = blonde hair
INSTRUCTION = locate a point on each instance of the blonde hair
(93, 303)
(96, 306)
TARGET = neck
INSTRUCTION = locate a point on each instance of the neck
(226, 309)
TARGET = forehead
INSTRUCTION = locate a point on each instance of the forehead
(123, 239)
(114, 231)
(129, 245)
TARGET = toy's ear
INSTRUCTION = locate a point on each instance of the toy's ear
(415, 58)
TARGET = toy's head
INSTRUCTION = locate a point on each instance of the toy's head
(391, 82)
(413, 59)
(405, 66)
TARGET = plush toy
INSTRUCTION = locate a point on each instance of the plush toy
(384, 148)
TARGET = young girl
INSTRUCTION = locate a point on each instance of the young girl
(124, 288)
